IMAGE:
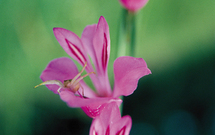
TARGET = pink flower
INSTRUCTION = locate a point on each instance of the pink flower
(109, 122)
(62, 77)
(133, 5)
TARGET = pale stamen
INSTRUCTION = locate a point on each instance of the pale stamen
(72, 84)
(79, 74)
(82, 77)
(57, 82)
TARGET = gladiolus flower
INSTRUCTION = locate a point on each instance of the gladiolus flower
(133, 5)
(62, 77)
(109, 122)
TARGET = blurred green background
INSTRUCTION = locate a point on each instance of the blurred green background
(176, 39)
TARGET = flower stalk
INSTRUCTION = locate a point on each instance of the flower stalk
(127, 30)
(126, 39)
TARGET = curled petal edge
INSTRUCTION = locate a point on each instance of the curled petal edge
(127, 71)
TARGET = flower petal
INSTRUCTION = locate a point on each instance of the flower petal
(110, 114)
(109, 122)
(97, 127)
(122, 126)
(128, 70)
(91, 106)
(59, 69)
(63, 69)
(101, 43)
(72, 44)
(101, 124)
(97, 43)
(87, 40)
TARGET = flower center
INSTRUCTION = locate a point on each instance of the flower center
(71, 84)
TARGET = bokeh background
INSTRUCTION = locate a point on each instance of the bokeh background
(176, 39)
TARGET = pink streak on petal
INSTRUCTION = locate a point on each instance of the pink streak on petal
(121, 131)
(104, 53)
(107, 131)
(122, 126)
(110, 122)
(91, 106)
(93, 110)
(97, 127)
(76, 51)
(133, 5)
(101, 40)
(101, 43)
(72, 44)
(109, 114)
(128, 70)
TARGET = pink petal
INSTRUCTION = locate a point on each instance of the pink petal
(122, 126)
(97, 43)
(101, 123)
(72, 44)
(63, 69)
(59, 69)
(133, 5)
(128, 70)
(110, 114)
(109, 122)
(101, 43)
(97, 127)
(87, 40)
(91, 106)
(87, 91)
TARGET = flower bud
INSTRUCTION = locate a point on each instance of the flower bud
(133, 5)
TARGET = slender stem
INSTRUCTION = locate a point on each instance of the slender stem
(132, 33)
(122, 35)
(126, 39)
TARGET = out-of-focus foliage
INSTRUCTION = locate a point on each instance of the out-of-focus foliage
(176, 38)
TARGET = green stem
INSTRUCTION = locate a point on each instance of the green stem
(126, 39)
(132, 33)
